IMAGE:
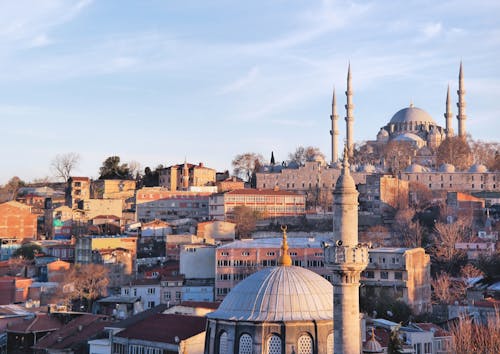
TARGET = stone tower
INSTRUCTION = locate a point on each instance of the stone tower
(349, 118)
(335, 130)
(347, 259)
(461, 104)
(449, 115)
(185, 176)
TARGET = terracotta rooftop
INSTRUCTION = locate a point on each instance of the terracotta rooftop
(41, 323)
(163, 328)
(73, 333)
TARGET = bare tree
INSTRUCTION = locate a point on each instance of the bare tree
(303, 154)
(445, 238)
(471, 337)
(484, 152)
(245, 165)
(470, 271)
(398, 156)
(407, 228)
(446, 290)
(64, 164)
(134, 168)
(456, 151)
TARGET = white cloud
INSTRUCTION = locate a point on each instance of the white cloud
(241, 82)
(431, 30)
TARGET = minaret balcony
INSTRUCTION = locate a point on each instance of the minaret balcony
(346, 255)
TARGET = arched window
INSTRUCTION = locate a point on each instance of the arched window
(274, 345)
(246, 344)
(223, 343)
(305, 344)
(329, 344)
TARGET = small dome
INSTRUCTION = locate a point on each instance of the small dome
(284, 293)
(382, 135)
(414, 168)
(447, 167)
(412, 114)
(414, 138)
(293, 165)
(372, 345)
(478, 168)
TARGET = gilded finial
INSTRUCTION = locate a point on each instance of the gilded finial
(345, 162)
(284, 259)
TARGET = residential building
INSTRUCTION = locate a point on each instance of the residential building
(382, 193)
(148, 290)
(96, 207)
(17, 221)
(270, 202)
(121, 189)
(230, 184)
(14, 289)
(197, 265)
(22, 336)
(85, 245)
(404, 273)
(156, 203)
(78, 189)
(171, 289)
(180, 177)
(239, 259)
(162, 333)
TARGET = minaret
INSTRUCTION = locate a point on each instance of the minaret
(346, 258)
(185, 176)
(448, 115)
(349, 119)
(335, 130)
(461, 104)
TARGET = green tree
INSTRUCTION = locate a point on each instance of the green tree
(395, 346)
(27, 251)
(112, 169)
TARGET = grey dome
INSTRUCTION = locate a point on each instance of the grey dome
(414, 168)
(478, 168)
(284, 293)
(412, 114)
(410, 137)
(447, 167)
(367, 168)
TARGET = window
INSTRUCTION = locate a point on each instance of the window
(245, 253)
(167, 296)
(177, 295)
(246, 344)
(270, 254)
(135, 291)
(223, 343)
(274, 345)
(151, 304)
(369, 274)
(151, 291)
(398, 275)
(305, 344)
(126, 291)
(384, 275)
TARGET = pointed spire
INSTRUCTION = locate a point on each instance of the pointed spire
(272, 158)
(349, 113)
(334, 132)
(284, 259)
(461, 103)
(448, 115)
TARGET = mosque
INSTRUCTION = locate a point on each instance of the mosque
(410, 124)
(289, 309)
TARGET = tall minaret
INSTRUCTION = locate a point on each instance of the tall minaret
(349, 115)
(346, 258)
(335, 130)
(448, 115)
(461, 104)
(185, 176)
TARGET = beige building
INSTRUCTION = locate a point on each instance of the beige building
(271, 203)
(95, 207)
(78, 188)
(180, 177)
(403, 272)
(123, 189)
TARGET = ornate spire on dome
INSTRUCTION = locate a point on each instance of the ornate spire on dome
(335, 131)
(284, 259)
(461, 103)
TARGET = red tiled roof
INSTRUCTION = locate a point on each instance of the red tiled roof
(73, 333)
(114, 217)
(163, 328)
(262, 192)
(41, 323)
(79, 178)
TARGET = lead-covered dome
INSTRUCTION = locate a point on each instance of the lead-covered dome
(412, 114)
(478, 168)
(284, 293)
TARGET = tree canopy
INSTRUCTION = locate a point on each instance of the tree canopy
(63, 164)
(456, 151)
(27, 251)
(112, 169)
(247, 164)
(303, 154)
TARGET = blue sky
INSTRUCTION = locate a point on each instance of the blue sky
(160, 81)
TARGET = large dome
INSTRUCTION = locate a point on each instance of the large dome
(283, 293)
(412, 114)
